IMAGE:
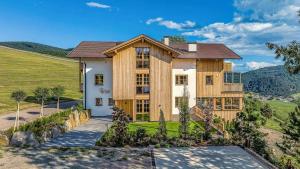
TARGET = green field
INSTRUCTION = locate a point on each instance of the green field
(26, 71)
(152, 127)
(281, 111)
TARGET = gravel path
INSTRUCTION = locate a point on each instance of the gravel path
(26, 115)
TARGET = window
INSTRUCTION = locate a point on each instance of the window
(181, 80)
(99, 102)
(205, 101)
(142, 57)
(111, 102)
(232, 103)
(209, 80)
(180, 100)
(142, 84)
(218, 103)
(232, 77)
(142, 110)
(99, 79)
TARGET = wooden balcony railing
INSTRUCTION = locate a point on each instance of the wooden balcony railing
(232, 87)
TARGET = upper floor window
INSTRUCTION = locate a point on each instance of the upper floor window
(142, 57)
(209, 80)
(232, 77)
(99, 80)
(99, 102)
(142, 84)
(181, 79)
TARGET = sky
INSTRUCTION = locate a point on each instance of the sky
(243, 25)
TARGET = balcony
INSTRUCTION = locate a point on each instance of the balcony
(232, 87)
(232, 82)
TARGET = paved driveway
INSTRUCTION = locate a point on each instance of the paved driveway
(26, 115)
(84, 135)
(205, 157)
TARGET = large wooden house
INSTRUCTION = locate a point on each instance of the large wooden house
(143, 75)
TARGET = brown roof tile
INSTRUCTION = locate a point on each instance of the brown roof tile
(206, 51)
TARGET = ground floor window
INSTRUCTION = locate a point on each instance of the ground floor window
(142, 110)
(111, 102)
(218, 103)
(180, 100)
(205, 101)
(99, 102)
(232, 103)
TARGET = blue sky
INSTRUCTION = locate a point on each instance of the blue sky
(243, 25)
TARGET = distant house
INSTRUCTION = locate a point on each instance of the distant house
(143, 75)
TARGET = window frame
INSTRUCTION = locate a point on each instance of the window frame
(142, 110)
(142, 57)
(231, 105)
(100, 102)
(211, 82)
(181, 78)
(100, 80)
(142, 83)
(179, 100)
(111, 102)
(218, 106)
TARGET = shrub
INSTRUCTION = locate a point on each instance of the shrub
(197, 133)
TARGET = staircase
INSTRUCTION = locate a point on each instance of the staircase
(197, 114)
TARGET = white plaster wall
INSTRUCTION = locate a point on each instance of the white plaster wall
(184, 67)
(99, 66)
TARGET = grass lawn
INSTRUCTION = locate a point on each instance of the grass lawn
(281, 108)
(26, 71)
(274, 124)
(151, 127)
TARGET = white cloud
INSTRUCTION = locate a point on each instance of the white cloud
(171, 24)
(255, 23)
(97, 5)
(257, 65)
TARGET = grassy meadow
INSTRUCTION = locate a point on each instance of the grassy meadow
(281, 111)
(26, 71)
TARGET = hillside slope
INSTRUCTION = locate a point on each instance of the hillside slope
(275, 81)
(38, 48)
(26, 71)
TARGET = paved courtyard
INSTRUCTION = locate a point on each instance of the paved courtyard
(205, 157)
(84, 135)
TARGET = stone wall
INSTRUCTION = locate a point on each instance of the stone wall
(27, 138)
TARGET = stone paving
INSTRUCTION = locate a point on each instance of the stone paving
(85, 135)
(205, 157)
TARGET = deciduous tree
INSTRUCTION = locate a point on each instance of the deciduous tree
(41, 95)
(18, 96)
(57, 92)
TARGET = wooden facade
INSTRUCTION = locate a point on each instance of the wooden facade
(160, 73)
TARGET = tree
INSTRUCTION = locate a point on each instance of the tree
(289, 53)
(184, 116)
(162, 128)
(18, 96)
(57, 92)
(266, 111)
(41, 95)
(207, 109)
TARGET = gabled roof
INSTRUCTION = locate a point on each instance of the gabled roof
(106, 49)
(141, 38)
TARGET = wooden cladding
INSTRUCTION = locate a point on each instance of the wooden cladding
(124, 66)
(209, 77)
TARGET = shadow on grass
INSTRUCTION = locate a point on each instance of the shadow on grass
(32, 99)
(14, 118)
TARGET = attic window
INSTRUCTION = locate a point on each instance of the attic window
(192, 47)
(142, 57)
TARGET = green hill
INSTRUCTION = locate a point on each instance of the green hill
(38, 48)
(274, 81)
(27, 70)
